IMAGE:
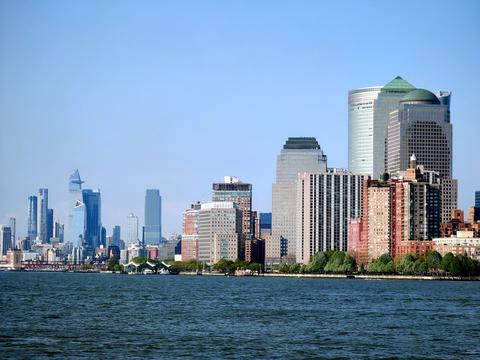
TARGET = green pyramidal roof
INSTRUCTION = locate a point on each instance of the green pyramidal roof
(398, 84)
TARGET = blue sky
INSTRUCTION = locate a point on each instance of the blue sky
(176, 94)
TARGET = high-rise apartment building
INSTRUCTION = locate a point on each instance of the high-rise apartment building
(220, 232)
(42, 215)
(152, 233)
(400, 215)
(325, 204)
(234, 190)
(5, 240)
(132, 230)
(189, 246)
(420, 126)
(368, 114)
(93, 220)
(13, 229)
(32, 218)
(299, 155)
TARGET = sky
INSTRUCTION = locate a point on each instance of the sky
(176, 94)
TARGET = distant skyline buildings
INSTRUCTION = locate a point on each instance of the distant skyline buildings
(152, 232)
(477, 199)
(131, 236)
(76, 209)
(93, 219)
(42, 226)
(32, 217)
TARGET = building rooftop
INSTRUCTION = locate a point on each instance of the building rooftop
(421, 95)
(301, 143)
(398, 85)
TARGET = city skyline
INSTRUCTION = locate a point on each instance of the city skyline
(296, 84)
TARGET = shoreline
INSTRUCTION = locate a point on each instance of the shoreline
(280, 275)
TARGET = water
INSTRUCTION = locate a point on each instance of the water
(68, 315)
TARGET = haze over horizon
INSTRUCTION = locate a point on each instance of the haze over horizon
(175, 95)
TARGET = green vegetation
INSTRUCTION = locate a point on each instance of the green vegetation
(338, 262)
(224, 265)
(112, 262)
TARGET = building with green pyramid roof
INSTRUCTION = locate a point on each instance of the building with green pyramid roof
(368, 115)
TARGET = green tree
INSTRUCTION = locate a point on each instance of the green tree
(223, 265)
(255, 267)
(433, 260)
(335, 262)
(317, 263)
(406, 264)
(446, 261)
(112, 262)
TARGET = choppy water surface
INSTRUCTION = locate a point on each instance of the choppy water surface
(118, 316)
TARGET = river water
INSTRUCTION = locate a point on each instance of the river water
(67, 315)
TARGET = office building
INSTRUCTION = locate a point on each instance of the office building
(32, 218)
(421, 126)
(189, 248)
(325, 204)
(93, 220)
(234, 190)
(298, 155)
(116, 236)
(477, 199)
(152, 234)
(5, 240)
(58, 231)
(220, 232)
(77, 228)
(50, 225)
(76, 205)
(131, 237)
(368, 114)
(42, 230)
(265, 225)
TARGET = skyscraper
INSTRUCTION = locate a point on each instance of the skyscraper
(58, 231)
(13, 229)
(77, 225)
(232, 189)
(116, 236)
(153, 217)
(42, 231)
(368, 114)
(132, 230)
(5, 240)
(477, 199)
(325, 204)
(32, 218)
(93, 224)
(50, 224)
(74, 230)
(299, 154)
(420, 126)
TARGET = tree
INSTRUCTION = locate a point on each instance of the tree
(317, 263)
(433, 260)
(112, 262)
(223, 265)
(446, 261)
(255, 267)
(335, 262)
(406, 264)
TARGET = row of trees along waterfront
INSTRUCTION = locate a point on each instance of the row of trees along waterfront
(339, 262)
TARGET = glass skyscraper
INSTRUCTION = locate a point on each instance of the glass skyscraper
(132, 230)
(477, 199)
(368, 115)
(152, 232)
(77, 225)
(50, 224)
(76, 219)
(93, 224)
(42, 231)
(32, 218)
